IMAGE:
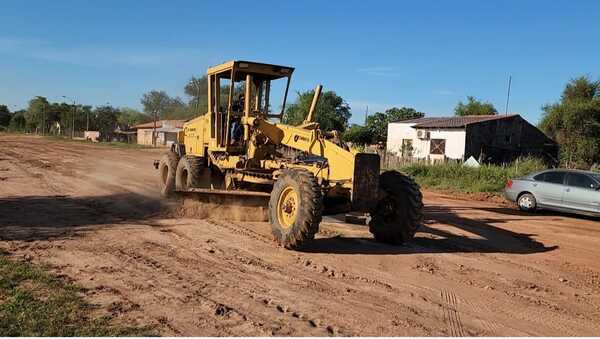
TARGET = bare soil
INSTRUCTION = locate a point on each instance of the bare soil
(93, 215)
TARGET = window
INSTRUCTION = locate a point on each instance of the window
(554, 177)
(540, 177)
(438, 146)
(580, 180)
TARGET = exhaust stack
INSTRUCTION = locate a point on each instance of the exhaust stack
(311, 113)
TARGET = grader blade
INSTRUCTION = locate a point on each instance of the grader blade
(208, 191)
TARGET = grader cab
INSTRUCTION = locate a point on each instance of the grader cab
(240, 147)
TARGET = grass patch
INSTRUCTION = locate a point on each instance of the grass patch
(455, 176)
(34, 303)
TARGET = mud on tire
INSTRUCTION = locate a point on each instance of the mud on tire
(188, 174)
(166, 172)
(294, 231)
(399, 210)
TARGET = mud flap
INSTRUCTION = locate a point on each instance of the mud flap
(366, 182)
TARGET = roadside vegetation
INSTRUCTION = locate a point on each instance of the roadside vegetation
(574, 122)
(34, 303)
(457, 177)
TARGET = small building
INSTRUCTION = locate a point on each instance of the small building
(125, 135)
(166, 132)
(93, 136)
(487, 138)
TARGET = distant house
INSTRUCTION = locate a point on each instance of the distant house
(166, 132)
(487, 138)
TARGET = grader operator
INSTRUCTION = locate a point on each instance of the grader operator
(239, 147)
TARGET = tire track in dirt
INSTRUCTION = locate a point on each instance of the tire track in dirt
(451, 314)
(232, 260)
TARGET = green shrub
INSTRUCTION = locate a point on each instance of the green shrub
(455, 176)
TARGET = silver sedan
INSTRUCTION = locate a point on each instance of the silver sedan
(560, 190)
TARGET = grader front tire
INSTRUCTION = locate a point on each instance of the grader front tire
(167, 167)
(188, 172)
(295, 208)
(399, 210)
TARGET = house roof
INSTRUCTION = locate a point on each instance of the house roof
(160, 123)
(452, 122)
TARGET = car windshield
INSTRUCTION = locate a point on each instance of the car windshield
(596, 176)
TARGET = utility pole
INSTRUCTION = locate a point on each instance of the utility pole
(154, 130)
(366, 114)
(87, 126)
(72, 117)
(43, 118)
(508, 95)
(73, 121)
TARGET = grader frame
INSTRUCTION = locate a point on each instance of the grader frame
(238, 149)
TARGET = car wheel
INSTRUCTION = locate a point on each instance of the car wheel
(527, 202)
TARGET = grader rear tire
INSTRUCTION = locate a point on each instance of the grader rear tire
(295, 208)
(188, 174)
(399, 210)
(167, 167)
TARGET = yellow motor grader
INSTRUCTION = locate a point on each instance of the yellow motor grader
(239, 147)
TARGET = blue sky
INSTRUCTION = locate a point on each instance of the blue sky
(427, 54)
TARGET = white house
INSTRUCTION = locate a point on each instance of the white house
(491, 138)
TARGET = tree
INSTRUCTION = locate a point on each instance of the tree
(357, 134)
(404, 113)
(36, 113)
(474, 107)
(376, 127)
(159, 103)
(377, 124)
(332, 112)
(581, 88)
(105, 118)
(574, 122)
(129, 117)
(4, 116)
(197, 89)
(17, 121)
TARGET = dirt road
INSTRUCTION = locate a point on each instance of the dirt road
(92, 213)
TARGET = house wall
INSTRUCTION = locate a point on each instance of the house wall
(501, 141)
(144, 136)
(455, 141)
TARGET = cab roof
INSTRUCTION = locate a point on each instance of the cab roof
(244, 67)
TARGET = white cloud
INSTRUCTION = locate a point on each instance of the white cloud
(444, 92)
(92, 55)
(382, 71)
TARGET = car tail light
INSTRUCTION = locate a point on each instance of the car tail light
(509, 183)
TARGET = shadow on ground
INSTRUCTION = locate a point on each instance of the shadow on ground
(484, 237)
(45, 217)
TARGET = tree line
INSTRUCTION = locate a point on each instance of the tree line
(61, 118)
(573, 122)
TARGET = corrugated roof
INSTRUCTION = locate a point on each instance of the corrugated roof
(159, 124)
(452, 122)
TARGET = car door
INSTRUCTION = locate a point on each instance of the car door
(549, 188)
(581, 193)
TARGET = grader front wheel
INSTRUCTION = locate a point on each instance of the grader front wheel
(167, 167)
(295, 208)
(399, 210)
(188, 172)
